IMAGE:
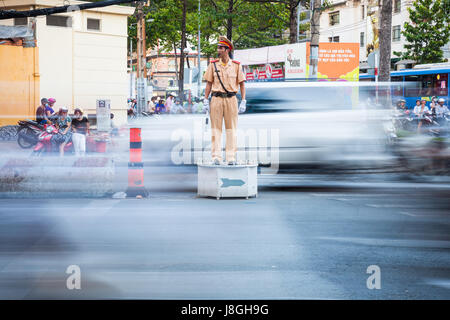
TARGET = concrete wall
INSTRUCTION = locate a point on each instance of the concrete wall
(19, 83)
(79, 66)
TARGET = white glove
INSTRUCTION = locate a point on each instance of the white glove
(205, 105)
(242, 106)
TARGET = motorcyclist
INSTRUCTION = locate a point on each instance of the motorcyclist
(49, 111)
(40, 112)
(441, 108)
(420, 112)
(64, 124)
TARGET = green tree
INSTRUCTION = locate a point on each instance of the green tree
(427, 32)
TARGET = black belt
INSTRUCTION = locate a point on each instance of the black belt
(223, 94)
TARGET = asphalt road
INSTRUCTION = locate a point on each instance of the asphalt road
(300, 239)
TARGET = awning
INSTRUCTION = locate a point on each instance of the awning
(260, 55)
(406, 61)
(11, 32)
(364, 65)
(276, 54)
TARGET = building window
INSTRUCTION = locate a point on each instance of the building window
(93, 24)
(397, 6)
(334, 18)
(171, 65)
(59, 21)
(396, 33)
(361, 39)
(21, 21)
(333, 39)
(362, 12)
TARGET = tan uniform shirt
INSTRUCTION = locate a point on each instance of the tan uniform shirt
(231, 75)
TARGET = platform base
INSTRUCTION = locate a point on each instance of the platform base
(137, 192)
(224, 181)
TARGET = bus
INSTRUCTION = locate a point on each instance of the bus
(421, 82)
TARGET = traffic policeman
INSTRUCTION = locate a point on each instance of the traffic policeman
(224, 78)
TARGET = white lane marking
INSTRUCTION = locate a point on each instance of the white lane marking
(352, 195)
(443, 283)
(417, 243)
(389, 206)
(427, 215)
(408, 214)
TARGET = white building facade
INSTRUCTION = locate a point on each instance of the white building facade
(358, 20)
(82, 54)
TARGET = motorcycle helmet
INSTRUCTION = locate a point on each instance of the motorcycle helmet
(51, 100)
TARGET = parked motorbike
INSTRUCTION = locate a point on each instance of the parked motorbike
(28, 133)
(47, 142)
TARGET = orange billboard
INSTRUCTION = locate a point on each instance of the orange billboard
(337, 61)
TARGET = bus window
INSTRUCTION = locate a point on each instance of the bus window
(440, 84)
(397, 88)
(427, 85)
(414, 88)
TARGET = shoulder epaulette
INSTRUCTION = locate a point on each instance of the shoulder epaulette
(236, 61)
(215, 61)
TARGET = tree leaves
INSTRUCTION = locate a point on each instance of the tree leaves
(427, 32)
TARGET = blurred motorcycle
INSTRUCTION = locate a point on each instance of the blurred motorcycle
(28, 133)
(48, 141)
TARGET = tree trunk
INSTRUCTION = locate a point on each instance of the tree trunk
(315, 35)
(176, 63)
(183, 45)
(385, 40)
(293, 22)
(230, 20)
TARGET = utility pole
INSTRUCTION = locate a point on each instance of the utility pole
(199, 79)
(314, 44)
(299, 9)
(131, 68)
(183, 45)
(141, 61)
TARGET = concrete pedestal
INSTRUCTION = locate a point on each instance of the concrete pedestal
(224, 181)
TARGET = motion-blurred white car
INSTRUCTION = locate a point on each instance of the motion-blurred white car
(287, 124)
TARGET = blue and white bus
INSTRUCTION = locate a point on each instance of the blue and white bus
(421, 82)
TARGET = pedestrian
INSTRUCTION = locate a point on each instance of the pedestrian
(80, 127)
(63, 123)
(177, 107)
(40, 112)
(200, 106)
(169, 101)
(160, 107)
(152, 104)
(224, 78)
